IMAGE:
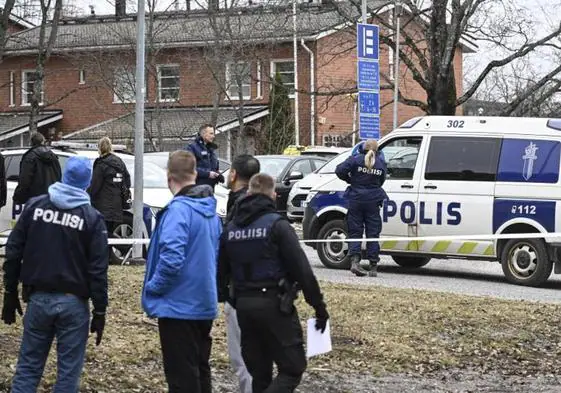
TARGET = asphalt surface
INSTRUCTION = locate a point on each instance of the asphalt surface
(465, 277)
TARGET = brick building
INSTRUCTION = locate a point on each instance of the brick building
(201, 67)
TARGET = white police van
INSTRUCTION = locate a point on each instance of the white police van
(459, 176)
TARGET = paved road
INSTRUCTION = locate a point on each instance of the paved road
(458, 276)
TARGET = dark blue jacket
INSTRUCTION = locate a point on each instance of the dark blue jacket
(365, 184)
(180, 281)
(63, 241)
(206, 161)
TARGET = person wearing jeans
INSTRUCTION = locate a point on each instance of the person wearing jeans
(63, 241)
(180, 282)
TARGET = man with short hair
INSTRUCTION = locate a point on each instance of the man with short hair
(39, 168)
(207, 163)
(180, 283)
(243, 168)
(63, 241)
(261, 254)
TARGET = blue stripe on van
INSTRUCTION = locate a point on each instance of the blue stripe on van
(542, 212)
(529, 161)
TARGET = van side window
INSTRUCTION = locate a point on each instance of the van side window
(463, 159)
(401, 157)
(12, 168)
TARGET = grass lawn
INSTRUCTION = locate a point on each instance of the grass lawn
(380, 330)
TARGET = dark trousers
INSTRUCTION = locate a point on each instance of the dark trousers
(361, 217)
(186, 349)
(269, 336)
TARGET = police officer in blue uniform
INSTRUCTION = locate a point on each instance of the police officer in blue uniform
(204, 150)
(260, 252)
(366, 173)
(63, 241)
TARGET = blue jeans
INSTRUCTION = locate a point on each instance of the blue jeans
(50, 315)
(364, 217)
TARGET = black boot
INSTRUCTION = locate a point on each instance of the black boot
(373, 272)
(355, 266)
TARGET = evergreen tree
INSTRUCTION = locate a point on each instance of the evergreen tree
(279, 128)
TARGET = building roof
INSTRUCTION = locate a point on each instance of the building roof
(15, 123)
(174, 123)
(194, 28)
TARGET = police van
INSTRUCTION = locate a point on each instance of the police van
(458, 176)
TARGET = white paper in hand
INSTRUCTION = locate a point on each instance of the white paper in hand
(318, 343)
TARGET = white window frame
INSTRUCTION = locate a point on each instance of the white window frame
(273, 72)
(24, 92)
(259, 80)
(159, 98)
(236, 97)
(82, 77)
(12, 89)
(116, 98)
(391, 53)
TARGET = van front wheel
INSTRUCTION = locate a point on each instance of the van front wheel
(526, 262)
(334, 255)
(409, 262)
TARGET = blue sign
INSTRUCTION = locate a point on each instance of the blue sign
(368, 80)
(369, 102)
(505, 210)
(368, 75)
(529, 161)
(368, 41)
(369, 127)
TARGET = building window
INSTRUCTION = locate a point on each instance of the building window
(28, 80)
(12, 89)
(238, 75)
(391, 52)
(259, 81)
(286, 70)
(124, 86)
(168, 83)
(82, 76)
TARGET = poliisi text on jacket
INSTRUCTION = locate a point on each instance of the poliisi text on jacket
(248, 234)
(58, 218)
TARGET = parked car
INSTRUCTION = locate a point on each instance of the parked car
(221, 193)
(155, 193)
(286, 170)
(300, 190)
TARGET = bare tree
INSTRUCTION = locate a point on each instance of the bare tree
(4, 24)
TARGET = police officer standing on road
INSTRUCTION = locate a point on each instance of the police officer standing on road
(204, 150)
(63, 241)
(260, 251)
(243, 168)
(366, 173)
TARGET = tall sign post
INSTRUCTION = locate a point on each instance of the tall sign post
(368, 80)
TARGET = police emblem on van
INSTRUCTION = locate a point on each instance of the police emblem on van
(529, 158)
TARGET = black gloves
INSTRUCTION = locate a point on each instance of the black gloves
(221, 178)
(11, 305)
(97, 326)
(321, 318)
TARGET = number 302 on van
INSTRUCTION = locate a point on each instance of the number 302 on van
(459, 176)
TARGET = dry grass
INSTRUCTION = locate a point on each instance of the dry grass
(376, 329)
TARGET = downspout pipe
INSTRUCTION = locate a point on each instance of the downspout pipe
(312, 93)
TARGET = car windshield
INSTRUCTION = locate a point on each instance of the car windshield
(273, 166)
(330, 166)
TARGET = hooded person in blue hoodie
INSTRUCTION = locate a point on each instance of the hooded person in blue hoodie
(63, 241)
(180, 288)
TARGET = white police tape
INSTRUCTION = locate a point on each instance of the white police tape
(533, 235)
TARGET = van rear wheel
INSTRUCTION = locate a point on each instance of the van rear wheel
(526, 262)
(334, 255)
(410, 262)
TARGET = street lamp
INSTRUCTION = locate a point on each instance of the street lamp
(396, 71)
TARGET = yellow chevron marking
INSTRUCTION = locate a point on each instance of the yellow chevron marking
(467, 247)
(390, 245)
(441, 246)
(414, 245)
(489, 250)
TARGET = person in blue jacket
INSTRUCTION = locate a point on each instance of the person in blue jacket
(180, 287)
(366, 173)
(207, 163)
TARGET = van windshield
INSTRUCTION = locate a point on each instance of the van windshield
(329, 167)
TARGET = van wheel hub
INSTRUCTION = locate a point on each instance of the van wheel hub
(523, 260)
(336, 251)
